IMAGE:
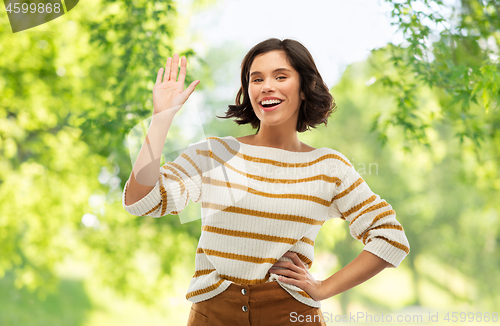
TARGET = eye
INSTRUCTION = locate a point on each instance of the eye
(256, 79)
(281, 77)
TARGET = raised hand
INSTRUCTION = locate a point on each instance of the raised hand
(169, 94)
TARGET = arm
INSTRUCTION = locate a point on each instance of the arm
(362, 268)
(168, 97)
(147, 165)
(373, 222)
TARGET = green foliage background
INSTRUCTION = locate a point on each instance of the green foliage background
(423, 115)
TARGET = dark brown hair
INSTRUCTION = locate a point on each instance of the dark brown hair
(314, 110)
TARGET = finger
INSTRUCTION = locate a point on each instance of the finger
(289, 265)
(191, 88)
(182, 73)
(296, 260)
(158, 76)
(174, 67)
(286, 272)
(167, 69)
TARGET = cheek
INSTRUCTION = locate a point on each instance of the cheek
(252, 91)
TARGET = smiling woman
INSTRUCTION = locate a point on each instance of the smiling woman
(264, 204)
(283, 71)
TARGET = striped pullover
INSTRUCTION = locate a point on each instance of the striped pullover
(259, 202)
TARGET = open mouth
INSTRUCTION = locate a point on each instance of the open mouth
(270, 106)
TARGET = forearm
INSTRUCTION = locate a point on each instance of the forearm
(363, 267)
(146, 170)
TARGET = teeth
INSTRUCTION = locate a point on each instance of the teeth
(271, 102)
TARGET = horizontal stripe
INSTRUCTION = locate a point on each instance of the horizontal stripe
(163, 198)
(392, 227)
(152, 209)
(306, 260)
(348, 190)
(382, 215)
(250, 259)
(257, 236)
(187, 158)
(245, 281)
(322, 177)
(278, 163)
(177, 179)
(181, 168)
(215, 182)
(307, 240)
(172, 169)
(394, 243)
(202, 272)
(358, 207)
(249, 235)
(369, 209)
(204, 290)
(252, 212)
(304, 294)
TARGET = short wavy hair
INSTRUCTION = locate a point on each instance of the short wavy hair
(318, 105)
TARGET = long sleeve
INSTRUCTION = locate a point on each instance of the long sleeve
(371, 219)
(179, 182)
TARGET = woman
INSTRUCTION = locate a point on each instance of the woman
(264, 196)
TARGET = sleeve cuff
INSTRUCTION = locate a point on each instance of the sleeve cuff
(140, 208)
(386, 251)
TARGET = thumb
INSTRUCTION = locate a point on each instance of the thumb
(188, 91)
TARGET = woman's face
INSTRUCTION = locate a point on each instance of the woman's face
(272, 77)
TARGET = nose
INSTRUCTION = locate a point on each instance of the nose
(267, 86)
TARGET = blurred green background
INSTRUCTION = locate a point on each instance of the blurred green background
(419, 120)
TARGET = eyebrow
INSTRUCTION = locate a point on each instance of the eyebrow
(275, 70)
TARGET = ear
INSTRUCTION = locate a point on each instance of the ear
(302, 96)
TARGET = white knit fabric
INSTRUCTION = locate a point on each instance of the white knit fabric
(260, 202)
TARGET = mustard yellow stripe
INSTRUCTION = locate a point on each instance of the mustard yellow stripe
(307, 240)
(181, 185)
(276, 216)
(187, 158)
(382, 215)
(358, 207)
(306, 260)
(369, 209)
(179, 167)
(202, 272)
(394, 243)
(250, 259)
(323, 177)
(278, 163)
(163, 198)
(243, 280)
(215, 182)
(393, 227)
(152, 210)
(304, 294)
(172, 169)
(204, 290)
(348, 190)
(249, 235)
(177, 179)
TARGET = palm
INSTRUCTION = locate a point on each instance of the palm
(169, 93)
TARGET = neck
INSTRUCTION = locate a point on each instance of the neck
(282, 140)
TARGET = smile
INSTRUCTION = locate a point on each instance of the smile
(272, 108)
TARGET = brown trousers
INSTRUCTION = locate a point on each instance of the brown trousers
(254, 305)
